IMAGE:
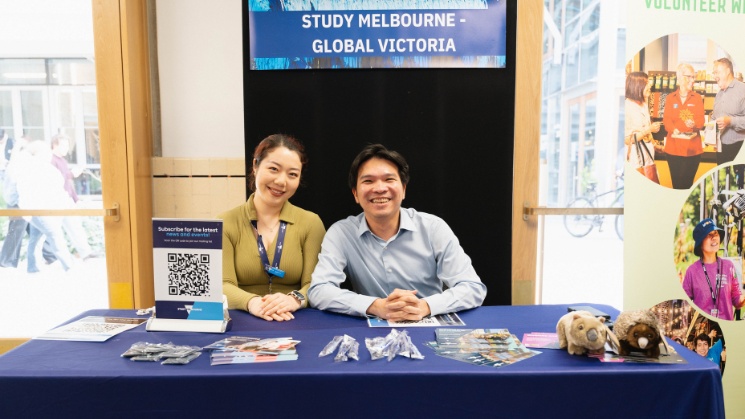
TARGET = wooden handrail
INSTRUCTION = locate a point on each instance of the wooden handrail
(95, 212)
(528, 211)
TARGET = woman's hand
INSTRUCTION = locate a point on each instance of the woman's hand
(643, 135)
(277, 306)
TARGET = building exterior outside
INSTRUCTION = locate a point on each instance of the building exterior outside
(583, 93)
(47, 80)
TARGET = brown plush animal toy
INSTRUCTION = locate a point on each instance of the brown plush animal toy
(638, 331)
(581, 332)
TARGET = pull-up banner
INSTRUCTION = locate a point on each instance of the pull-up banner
(322, 34)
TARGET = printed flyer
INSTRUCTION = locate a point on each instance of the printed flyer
(92, 329)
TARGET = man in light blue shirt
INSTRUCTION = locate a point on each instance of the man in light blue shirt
(729, 110)
(402, 264)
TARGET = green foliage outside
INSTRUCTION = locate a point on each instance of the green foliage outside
(692, 213)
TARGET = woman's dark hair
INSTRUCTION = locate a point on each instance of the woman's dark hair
(270, 143)
(380, 152)
(636, 82)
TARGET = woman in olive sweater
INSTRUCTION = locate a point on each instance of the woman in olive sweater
(270, 247)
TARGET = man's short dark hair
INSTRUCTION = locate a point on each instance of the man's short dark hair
(703, 337)
(380, 152)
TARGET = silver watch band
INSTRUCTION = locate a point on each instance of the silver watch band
(299, 297)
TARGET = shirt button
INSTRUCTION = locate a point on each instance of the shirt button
(390, 270)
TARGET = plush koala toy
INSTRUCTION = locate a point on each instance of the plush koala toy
(581, 332)
(638, 331)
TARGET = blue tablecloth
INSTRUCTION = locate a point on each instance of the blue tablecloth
(82, 379)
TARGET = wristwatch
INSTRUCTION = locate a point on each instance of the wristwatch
(298, 296)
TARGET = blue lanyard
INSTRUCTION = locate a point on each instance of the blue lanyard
(273, 269)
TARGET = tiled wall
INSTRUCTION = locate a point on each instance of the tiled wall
(197, 188)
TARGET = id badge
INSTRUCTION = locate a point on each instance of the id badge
(715, 312)
(279, 273)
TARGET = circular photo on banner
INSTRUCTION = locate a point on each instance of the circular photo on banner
(708, 243)
(686, 326)
(679, 105)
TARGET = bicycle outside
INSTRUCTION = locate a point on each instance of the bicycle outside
(580, 225)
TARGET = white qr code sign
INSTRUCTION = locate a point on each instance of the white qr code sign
(187, 269)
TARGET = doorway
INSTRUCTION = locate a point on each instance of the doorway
(50, 91)
(111, 129)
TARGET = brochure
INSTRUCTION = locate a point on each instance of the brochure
(92, 329)
(489, 347)
(227, 358)
(244, 350)
(541, 340)
(233, 342)
(448, 319)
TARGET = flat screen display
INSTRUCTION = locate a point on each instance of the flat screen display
(363, 34)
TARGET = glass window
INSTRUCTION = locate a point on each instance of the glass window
(15, 71)
(620, 146)
(589, 58)
(573, 9)
(621, 49)
(40, 71)
(571, 33)
(577, 150)
(554, 8)
(65, 123)
(77, 72)
(544, 118)
(90, 122)
(65, 109)
(29, 102)
(32, 114)
(591, 20)
(553, 144)
(552, 83)
(571, 67)
(90, 182)
(573, 150)
(588, 142)
(6, 110)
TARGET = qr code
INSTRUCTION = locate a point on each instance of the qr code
(188, 274)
